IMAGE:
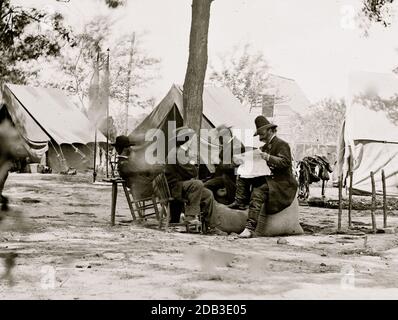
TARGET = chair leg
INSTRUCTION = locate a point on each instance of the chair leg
(126, 192)
(113, 203)
(155, 207)
(167, 217)
(137, 207)
(162, 210)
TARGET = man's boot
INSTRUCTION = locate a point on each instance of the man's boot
(193, 224)
(245, 234)
(191, 220)
(237, 205)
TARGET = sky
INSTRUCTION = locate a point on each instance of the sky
(317, 43)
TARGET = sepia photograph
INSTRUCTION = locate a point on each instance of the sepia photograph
(217, 151)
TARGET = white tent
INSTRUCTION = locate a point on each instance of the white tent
(369, 135)
(51, 123)
(220, 106)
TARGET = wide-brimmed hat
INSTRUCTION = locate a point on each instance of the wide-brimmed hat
(263, 123)
(125, 141)
(122, 142)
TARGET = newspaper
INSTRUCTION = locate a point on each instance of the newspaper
(252, 164)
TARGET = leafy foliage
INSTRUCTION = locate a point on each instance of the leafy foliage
(114, 3)
(377, 11)
(322, 124)
(26, 35)
(374, 102)
(131, 68)
(244, 72)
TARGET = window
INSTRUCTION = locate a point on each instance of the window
(268, 103)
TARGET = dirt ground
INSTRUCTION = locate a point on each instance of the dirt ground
(60, 228)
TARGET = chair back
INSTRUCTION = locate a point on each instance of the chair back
(161, 188)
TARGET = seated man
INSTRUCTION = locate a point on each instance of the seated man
(224, 177)
(275, 191)
(181, 175)
(132, 166)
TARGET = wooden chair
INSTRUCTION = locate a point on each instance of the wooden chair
(163, 197)
(143, 205)
(162, 193)
(140, 205)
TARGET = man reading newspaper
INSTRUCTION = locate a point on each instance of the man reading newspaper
(267, 180)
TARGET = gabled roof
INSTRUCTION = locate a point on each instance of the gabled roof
(44, 113)
(289, 93)
(220, 106)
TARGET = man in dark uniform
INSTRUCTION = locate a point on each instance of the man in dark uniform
(224, 176)
(276, 191)
(181, 175)
(133, 167)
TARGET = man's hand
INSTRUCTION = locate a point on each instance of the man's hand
(265, 156)
(237, 161)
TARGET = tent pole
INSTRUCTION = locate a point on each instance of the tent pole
(383, 179)
(95, 156)
(107, 122)
(350, 200)
(373, 204)
(107, 144)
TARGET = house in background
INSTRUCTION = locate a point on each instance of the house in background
(285, 103)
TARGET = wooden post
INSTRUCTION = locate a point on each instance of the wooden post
(95, 156)
(340, 202)
(113, 204)
(373, 205)
(323, 189)
(383, 179)
(350, 201)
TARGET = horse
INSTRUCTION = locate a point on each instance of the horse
(12, 147)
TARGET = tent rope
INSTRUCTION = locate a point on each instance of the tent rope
(81, 154)
(60, 156)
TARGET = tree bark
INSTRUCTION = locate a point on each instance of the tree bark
(197, 64)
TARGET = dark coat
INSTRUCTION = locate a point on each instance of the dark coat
(177, 173)
(282, 184)
(227, 166)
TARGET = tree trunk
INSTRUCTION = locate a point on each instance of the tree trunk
(197, 64)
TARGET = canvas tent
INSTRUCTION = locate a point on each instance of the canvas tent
(369, 135)
(53, 127)
(220, 106)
